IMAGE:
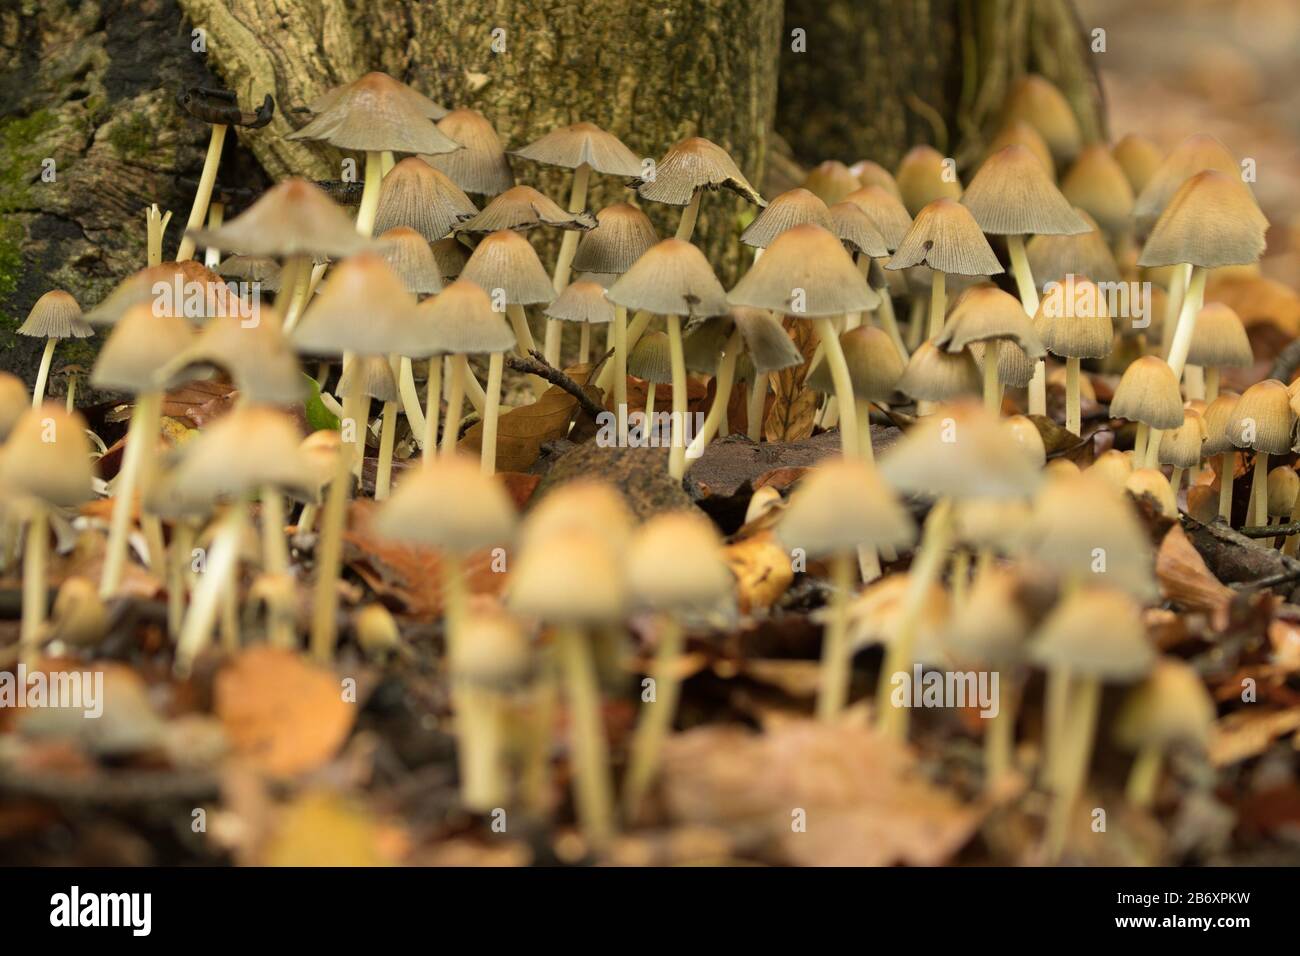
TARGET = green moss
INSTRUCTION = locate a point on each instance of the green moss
(132, 137)
(21, 153)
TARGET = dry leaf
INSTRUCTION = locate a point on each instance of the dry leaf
(1185, 579)
(323, 829)
(1248, 733)
(794, 406)
(762, 569)
(522, 431)
(1284, 636)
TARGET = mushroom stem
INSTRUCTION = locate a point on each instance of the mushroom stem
(1140, 442)
(1194, 382)
(721, 395)
(938, 302)
(491, 413)
(178, 574)
(916, 321)
(959, 577)
(584, 344)
(535, 772)
(992, 387)
(656, 717)
(432, 400)
(329, 555)
(216, 216)
(924, 572)
(1176, 480)
(757, 406)
(843, 384)
(690, 214)
(275, 548)
(36, 595)
(1227, 472)
(1153, 449)
(1174, 305)
(526, 344)
(1073, 413)
(592, 786)
(677, 454)
(635, 329)
(1259, 491)
(1024, 277)
(43, 372)
(836, 652)
(1293, 541)
(648, 430)
(410, 396)
(370, 193)
(142, 434)
(1182, 342)
(1000, 740)
(620, 370)
(1144, 776)
(1080, 727)
(223, 555)
(455, 398)
(230, 641)
(885, 311)
(155, 226)
(207, 179)
(1211, 383)
(71, 402)
(481, 745)
(564, 260)
(387, 438)
(868, 555)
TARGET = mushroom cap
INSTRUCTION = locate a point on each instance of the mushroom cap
(505, 260)
(1218, 416)
(857, 231)
(1152, 483)
(582, 301)
(794, 207)
(651, 358)
(1081, 254)
(583, 144)
(1211, 221)
(945, 237)
(460, 320)
(451, 255)
(805, 263)
(583, 505)
(1139, 158)
(1219, 339)
(56, 315)
(877, 613)
(1015, 369)
(885, 210)
(374, 114)
(1191, 156)
(241, 452)
(695, 163)
(292, 218)
(999, 523)
(766, 341)
(14, 400)
(494, 652)
(1013, 195)
(481, 166)
(1115, 466)
(416, 195)
(1183, 446)
(830, 181)
(1027, 437)
(875, 367)
(523, 208)
(870, 173)
(994, 626)
(1096, 183)
(1170, 708)
(262, 270)
(934, 374)
(1020, 133)
(1262, 419)
(180, 280)
(672, 277)
(321, 449)
(1096, 633)
(675, 563)
(363, 308)
(257, 356)
(571, 577)
(622, 235)
(369, 376)
(840, 504)
(410, 257)
(47, 456)
(1148, 392)
(1039, 103)
(960, 451)
(448, 504)
(983, 313)
(1283, 488)
(1072, 320)
(140, 345)
(922, 179)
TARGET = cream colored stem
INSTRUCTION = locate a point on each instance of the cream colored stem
(1182, 342)
(690, 214)
(650, 389)
(178, 575)
(1055, 710)
(207, 179)
(584, 343)
(1153, 449)
(222, 558)
(1211, 383)
(836, 653)
(1000, 738)
(757, 406)
(1024, 277)
(1228, 470)
(491, 413)
(938, 302)
(635, 329)
(721, 395)
(386, 162)
(387, 438)
(329, 554)
(71, 401)
(525, 344)
(1073, 414)
(992, 387)
(1259, 491)
(410, 397)
(275, 547)
(619, 364)
(36, 595)
(592, 786)
(843, 385)
(1144, 776)
(868, 555)
(455, 398)
(677, 453)
(370, 193)
(655, 722)
(1176, 480)
(43, 372)
(155, 226)
(433, 401)
(564, 260)
(142, 435)
(480, 732)
(1174, 305)
(1081, 726)
(1140, 442)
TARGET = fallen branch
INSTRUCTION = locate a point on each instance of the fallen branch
(1270, 530)
(537, 365)
(1238, 559)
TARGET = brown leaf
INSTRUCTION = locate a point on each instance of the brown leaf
(762, 569)
(324, 829)
(1185, 579)
(522, 431)
(1248, 733)
(794, 406)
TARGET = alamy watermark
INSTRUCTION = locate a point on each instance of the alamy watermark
(944, 689)
(1119, 300)
(73, 690)
(655, 430)
(201, 300)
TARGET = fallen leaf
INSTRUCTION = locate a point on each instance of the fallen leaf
(521, 431)
(793, 410)
(1186, 580)
(762, 568)
(1248, 733)
(323, 829)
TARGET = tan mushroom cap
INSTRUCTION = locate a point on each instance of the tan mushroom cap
(583, 144)
(262, 270)
(214, 296)
(875, 367)
(257, 356)
(805, 272)
(841, 504)
(138, 348)
(47, 456)
(56, 315)
(14, 400)
(945, 237)
(1097, 633)
(1139, 158)
(1020, 133)
(830, 181)
(1219, 339)
(671, 278)
(292, 218)
(1072, 319)
(885, 210)
(1211, 221)
(767, 343)
(876, 618)
(1218, 416)
(983, 313)
(857, 231)
(582, 301)
(1283, 488)
(871, 173)
(416, 195)
(922, 178)
(1151, 483)
(695, 163)
(450, 505)
(410, 257)
(1170, 708)
(1081, 254)
(651, 359)
(495, 652)
(997, 523)
(369, 376)
(1114, 466)
(241, 452)
(1096, 183)
(994, 626)
(960, 451)
(934, 374)
(1193, 155)
(792, 208)
(570, 577)
(460, 320)
(1015, 368)
(1040, 104)
(1148, 392)
(523, 208)
(505, 260)
(1262, 419)
(364, 308)
(374, 114)
(1183, 446)
(451, 255)
(1013, 195)
(1027, 437)
(622, 235)
(482, 166)
(675, 563)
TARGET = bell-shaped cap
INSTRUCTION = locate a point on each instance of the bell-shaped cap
(1081, 254)
(363, 308)
(257, 356)
(622, 235)
(416, 195)
(923, 176)
(994, 626)
(523, 208)
(409, 255)
(1036, 101)
(1262, 419)
(1139, 158)
(856, 230)
(1219, 339)
(1182, 446)
(694, 163)
(138, 348)
(506, 261)
(1211, 221)
(1096, 633)
(263, 271)
(572, 577)
(1027, 437)
(1218, 416)
(651, 359)
(792, 208)
(1195, 154)
(481, 166)
(841, 504)
(945, 237)
(871, 173)
(56, 315)
(1072, 319)
(671, 278)
(1171, 708)
(582, 301)
(47, 456)
(675, 563)
(460, 320)
(934, 374)
(186, 288)
(583, 144)
(875, 367)
(1020, 133)
(830, 181)
(1013, 195)
(450, 505)
(983, 313)
(766, 341)
(418, 101)
(369, 376)
(1148, 392)
(886, 212)
(241, 452)
(805, 272)
(292, 218)
(1096, 184)
(374, 114)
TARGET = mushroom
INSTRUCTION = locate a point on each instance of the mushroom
(622, 235)
(583, 302)
(1097, 185)
(205, 295)
(1114, 466)
(55, 316)
(1148, 394)
(1283, 489)
(831, 181)
(888, 214)
(1169, 709)
(922, 176)
(1193, 155)
(652, 361)
(1182, 447)
(874, 372)
(987, 315)
(840, 505)
(1078, 254)
(1218, 415)
(1027, 437)
(675, 569)
(868, 247)
(523, 208)
(482, 166)
(1036, 101)
(792, 208)
(713, 347)
(1151, 483)
(1139, 158)
(937, 375)
(870, 173)
(686, 170)
(1017, 132)
(1262, 421)
(421, 197)
(1219, 341)
(768, 349)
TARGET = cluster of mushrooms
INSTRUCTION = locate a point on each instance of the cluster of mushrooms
(1019, 564)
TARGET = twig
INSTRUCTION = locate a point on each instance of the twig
(537, 365)
(1271, 530)
(1287, 361)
